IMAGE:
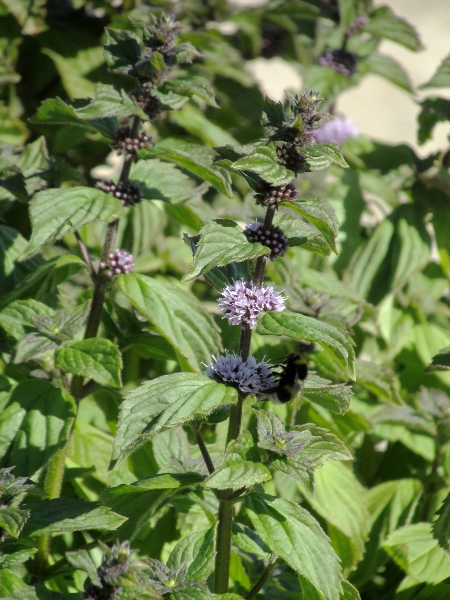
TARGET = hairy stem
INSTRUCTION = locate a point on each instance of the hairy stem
(203, 449)
(262, 580)
(223, 547)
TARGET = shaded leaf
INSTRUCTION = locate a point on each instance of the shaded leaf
(263, 160)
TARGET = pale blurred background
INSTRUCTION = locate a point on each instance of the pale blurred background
(378, 108)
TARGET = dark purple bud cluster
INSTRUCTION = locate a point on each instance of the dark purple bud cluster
(128, 193)
(112, 570)
(149, 104)
(291, 159)
(340, 60)
(299, 138)
(272, 195)
(129, 146)
(118, 262)
(274, 238)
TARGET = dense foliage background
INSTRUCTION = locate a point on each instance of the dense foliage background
(69, 526)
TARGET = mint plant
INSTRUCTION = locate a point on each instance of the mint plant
(207, 389)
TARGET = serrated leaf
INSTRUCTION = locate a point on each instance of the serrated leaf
(122, 49)
(193, 87)
(12, 520)
(95, 358)
(294, 535)
(81, 559)
(249, 541)
(302, 233)
(56, 112)
(441, 527)
(380, 380)
(273, 117)
(321, 156)
(264, 161)
(197, 552)
(194, 158)
(387, 67)
(300, 327)
(222, 242)
(163, 181)
(385, 24)
(340, 499)
(42, 282)
(176, 314)
(334, 397)
(434, 110)
(415, 550)
(32, 346)
(11, 585)
(12, 272)
(55, 212)
(321, 214)
(17, 558)
(109, 102)
(42, 418)
(163, 403)
(236, 473)
(64, 515)
(441, 78)
(18, 316)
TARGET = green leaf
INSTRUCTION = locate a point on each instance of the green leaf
(82, 561)
(273, 118)
(334, 397)
(109, 102)
(380, 380)
(349, 592)
(441, 77)
(321, 156)
(302, 233)
(300, 327)
(10, 584)
(34, 346)
(385, 24)
(12, 520)
(387, 67)
(321, 214)
(434, 110)
(18, 317)
(122, 49)
(294, 535)
(43, 281)
(222, 242)
(176, 314)
(441, 527)
(196, 551)
(249, 541)
(12, 273)
(163, 403)
(56, 112)
(17, 558)
(163, 181)
(42, 418)
(95, 358)
(415, 550)
(264, 161)
(194, 158)
(340, 499)
(192, 87)
(235, 473)
(55, 212)
(64, 515)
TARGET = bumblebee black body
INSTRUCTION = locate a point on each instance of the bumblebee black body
(294, 371)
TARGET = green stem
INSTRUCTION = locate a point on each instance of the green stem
(262, 580)
(223, 547)
(52, 486)
(203, 449)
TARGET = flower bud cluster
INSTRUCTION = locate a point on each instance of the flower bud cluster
(129, 146)
(342, 61)
(128, 193)
(243, 302)
(271, 195)
(150, 104)
(273, 237)
(246, 375)
(118, 262)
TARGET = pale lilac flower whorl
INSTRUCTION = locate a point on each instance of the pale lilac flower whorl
(242, 302)
(248, 376)
(336, 131)
(118, 262)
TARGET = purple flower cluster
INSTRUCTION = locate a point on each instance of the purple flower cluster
(340, 60)
(128, 193)
(336, 131)
(129, 146)
(243, 302)
(118, 262)
(248, 376)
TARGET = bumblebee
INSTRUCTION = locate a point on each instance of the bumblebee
(292, 374)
